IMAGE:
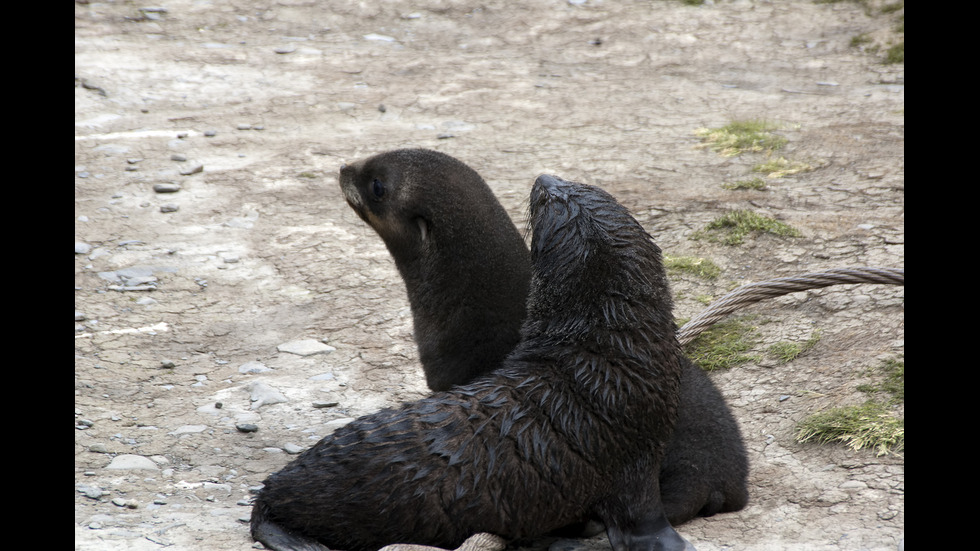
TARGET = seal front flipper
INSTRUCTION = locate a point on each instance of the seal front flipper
(651, 533)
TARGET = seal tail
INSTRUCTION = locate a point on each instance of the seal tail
(276, 537)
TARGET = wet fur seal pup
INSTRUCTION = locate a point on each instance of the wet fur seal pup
(466, 269)
(572, 425)
(466, 286)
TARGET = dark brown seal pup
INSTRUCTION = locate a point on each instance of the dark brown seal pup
(466, 268)
(573, 425)
(467, 286)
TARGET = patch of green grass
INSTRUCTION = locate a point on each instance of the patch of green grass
(701, 267)
(732, 227)
(873, 424)
(737, 137)
(777, 167)
(895, 54)
(860, 40)
(892, 42)
(754, 183)
(785, 352)
(870, 425)
(723, 345)
(893, 383)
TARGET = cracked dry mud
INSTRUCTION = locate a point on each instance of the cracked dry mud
(262, 250)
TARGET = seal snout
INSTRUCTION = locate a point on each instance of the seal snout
(348, 186)
(552, 185)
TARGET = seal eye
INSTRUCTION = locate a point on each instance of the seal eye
(378, 188)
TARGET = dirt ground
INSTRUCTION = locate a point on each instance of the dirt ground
(186, 301)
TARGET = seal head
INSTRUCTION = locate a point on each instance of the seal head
(465, 265)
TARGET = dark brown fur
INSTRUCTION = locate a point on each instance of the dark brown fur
(467, 286)
(573, 425)
(467, 281)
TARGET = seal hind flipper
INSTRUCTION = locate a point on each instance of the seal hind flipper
(275, 537)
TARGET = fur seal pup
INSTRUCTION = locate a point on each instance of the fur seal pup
(466, 286)
(573, 425)
(466, 270)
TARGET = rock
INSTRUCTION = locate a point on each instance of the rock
(253, 367)
(193, 169)
(91, 492)
(167, 187)
(262, 394)
(131, 462)
(305, 347)
(189, 429)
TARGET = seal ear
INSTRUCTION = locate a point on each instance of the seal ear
(423, 228)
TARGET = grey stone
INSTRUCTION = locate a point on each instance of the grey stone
(305, 347)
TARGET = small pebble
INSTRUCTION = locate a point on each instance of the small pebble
(168, 364)
(131, 462)
(292, 449)
(127, 503)
(210, 133)
(253, 367)
(168, 187)
(169, 208)
(91, 492)
(246, 427)
(178, 157)
(193, 169)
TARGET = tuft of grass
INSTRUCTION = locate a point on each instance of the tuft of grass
(732, 227)
(723, 345)
(892, 385)
(754, 183)
(873, 424)
(738, 137)
(870, 425)
(895, 54)
(785, 352)
(777, 167)
(701, 267)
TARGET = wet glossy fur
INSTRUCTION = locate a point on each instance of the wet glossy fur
(572, 426)
(467, 286)
(467, 282)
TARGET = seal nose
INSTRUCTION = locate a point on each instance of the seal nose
(547, 180)
(551, 185)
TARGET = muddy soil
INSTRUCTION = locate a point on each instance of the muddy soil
(185, 300)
